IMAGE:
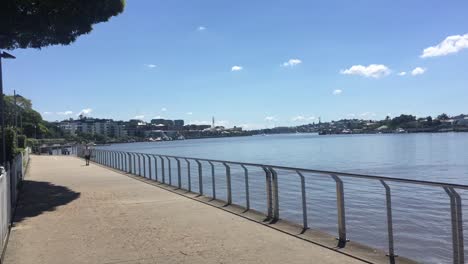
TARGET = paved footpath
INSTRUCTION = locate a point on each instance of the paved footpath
(70, 213)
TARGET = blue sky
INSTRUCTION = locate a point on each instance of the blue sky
(256, 63)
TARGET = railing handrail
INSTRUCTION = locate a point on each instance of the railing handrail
(344, 174)
(109, 158)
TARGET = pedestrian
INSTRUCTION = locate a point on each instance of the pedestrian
(87, 155)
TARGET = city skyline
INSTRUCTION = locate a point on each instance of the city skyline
(255, 65)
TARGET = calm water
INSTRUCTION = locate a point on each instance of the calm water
(421, 214)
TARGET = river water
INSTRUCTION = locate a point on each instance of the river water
(421, 215)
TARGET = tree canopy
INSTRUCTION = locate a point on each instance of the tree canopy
(41, 23)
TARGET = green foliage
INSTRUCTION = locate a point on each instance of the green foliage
(443, 117)
(41, 23)
(32, 142)
(11, 144)
(402, 121)
(28, 120)
(21, 141)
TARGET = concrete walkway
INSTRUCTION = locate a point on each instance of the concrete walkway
(70, 213)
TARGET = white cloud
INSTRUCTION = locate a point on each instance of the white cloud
(139, 117)
(224, 123)
(202, 122)
(292, 62)
(373, 70)
(47, 113)
(237, 68)
(85, 111)
(65, 113)
(368, 115)
(201, 28)
(302, 118)
(451, 44)
(164, 109)
(298, 118)
(270, 118)
(151, 65)
(418, 71)
(337, 92)
(189, 113)
(403, 73)
(158, 117)
(252, 126)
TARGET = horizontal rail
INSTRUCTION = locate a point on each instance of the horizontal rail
(272, 174)
(343, 174)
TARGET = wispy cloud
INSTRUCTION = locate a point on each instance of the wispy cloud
(85, 111)
(252, 126)
(368, 115)
(337, 92)
(47, 113)
(164, 109)
(418, 71)
(403, 73)
(201, 28)
(291, 63)
(451, 44)
(158, 117)
(65, 113)
(373, 70)
(236, 68)
(139, 117)
(270, 118)
(189, 113)
(302, 118)
(298, 118)
(151, 65)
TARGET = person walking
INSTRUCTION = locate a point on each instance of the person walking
(87, 155)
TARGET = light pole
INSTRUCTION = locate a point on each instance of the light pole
(3, 55)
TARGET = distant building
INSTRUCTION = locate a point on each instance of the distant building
(178, 124)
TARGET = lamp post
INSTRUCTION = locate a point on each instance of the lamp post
(3, 55)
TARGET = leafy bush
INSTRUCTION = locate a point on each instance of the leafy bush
(21, 141)
(11, 143)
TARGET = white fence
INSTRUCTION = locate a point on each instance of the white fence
(10, 177)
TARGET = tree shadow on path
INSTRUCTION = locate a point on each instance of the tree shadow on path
(38, 197)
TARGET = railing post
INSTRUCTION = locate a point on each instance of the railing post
(457, 225)
(129, 156)
(162, 170)
(340, 204)
(155, 167)
(305, 223)
(268, 193)
(122, 161)
(134, 163)
(200, 177)
(169, 168)
(189, 178)
(388, 199)
(179, 174)
(275, 192)
(247, 192)
(228, 183)
(139, 164)
(213, 180)
(149, 166)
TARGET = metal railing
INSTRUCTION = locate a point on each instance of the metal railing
(10, 178)
(136, 163)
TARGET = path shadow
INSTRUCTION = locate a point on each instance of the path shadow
(37, 197)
